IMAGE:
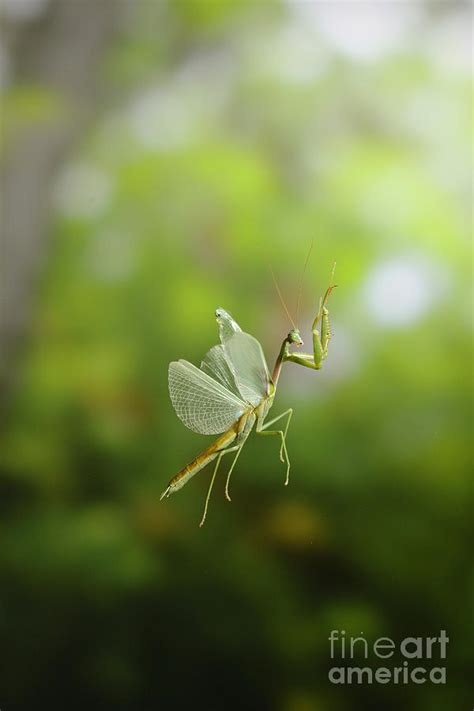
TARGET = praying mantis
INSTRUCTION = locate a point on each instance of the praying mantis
(233, 391)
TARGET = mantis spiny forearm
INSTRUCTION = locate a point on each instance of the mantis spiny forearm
(320, 339)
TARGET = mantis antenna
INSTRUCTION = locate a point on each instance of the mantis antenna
(281, 297)
(301, 280)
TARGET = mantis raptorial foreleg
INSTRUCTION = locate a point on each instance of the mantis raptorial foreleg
(237, 449)
(320, 338)
(262, 430)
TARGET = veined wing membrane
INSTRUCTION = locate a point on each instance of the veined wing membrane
(215, 364)
(203, 404)
(227, 325)
(245, 356)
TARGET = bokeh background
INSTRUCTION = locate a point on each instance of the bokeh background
(156, 157)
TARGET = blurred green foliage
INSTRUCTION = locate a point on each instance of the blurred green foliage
(215, 160)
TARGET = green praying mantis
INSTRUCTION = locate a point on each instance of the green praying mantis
(233, 391)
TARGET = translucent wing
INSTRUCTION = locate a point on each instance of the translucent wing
(227, 325)
(245, 357)
(215, 364)
(203, 404)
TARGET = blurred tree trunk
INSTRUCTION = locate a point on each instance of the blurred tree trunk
(59, 52)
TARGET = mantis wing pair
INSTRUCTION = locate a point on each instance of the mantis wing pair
(233, 391)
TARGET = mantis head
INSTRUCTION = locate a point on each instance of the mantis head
(294, 338)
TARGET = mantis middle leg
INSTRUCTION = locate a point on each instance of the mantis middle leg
(261, 429)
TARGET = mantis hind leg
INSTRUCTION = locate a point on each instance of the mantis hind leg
(239, 449)
(262, 430)
(214, 473)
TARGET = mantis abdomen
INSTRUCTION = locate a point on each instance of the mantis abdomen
(185, 474)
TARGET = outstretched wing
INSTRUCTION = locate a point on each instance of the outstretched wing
(227, 325)
(245, 357)
(202, 403)
(215, 364)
